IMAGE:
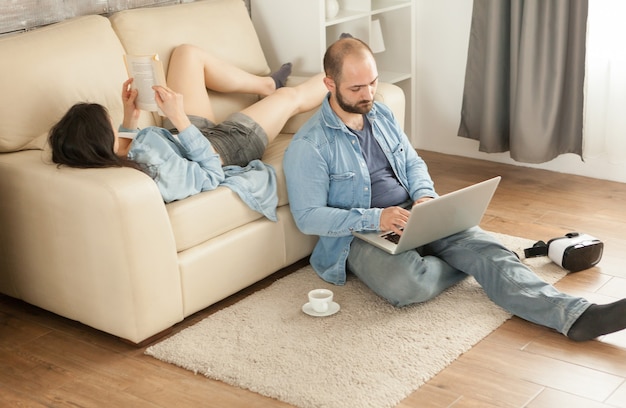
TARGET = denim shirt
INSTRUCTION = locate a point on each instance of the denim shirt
(186, 165)
(329, 184)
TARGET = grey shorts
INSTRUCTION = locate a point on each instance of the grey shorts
(238, 139)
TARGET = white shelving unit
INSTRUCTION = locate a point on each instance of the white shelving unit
(298, 31)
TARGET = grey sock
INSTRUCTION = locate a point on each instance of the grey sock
(598, 320)
(280, 76)
(345, 35)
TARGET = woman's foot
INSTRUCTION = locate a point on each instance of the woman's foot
(280, 76)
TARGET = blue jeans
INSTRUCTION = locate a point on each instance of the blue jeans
(409, 277)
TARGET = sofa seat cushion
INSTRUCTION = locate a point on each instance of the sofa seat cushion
(207, 215)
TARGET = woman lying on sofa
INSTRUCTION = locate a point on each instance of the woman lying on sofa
(191, 153)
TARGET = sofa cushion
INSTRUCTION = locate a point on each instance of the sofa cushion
(221, 27)
(76, 60)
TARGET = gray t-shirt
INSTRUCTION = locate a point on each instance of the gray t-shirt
(386, 189)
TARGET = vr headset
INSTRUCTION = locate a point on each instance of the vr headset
(574, 252)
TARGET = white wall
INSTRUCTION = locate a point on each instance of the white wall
(442, 30)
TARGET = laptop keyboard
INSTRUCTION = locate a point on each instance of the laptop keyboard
(392, 236)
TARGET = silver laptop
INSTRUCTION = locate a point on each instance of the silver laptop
(438, 218)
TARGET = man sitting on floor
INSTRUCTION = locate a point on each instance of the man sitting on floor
(350, 167)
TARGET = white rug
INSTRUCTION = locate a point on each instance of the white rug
(369, 354)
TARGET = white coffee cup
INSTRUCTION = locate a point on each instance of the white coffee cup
(320, 299)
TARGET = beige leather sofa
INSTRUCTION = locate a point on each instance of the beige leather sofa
(99, 246)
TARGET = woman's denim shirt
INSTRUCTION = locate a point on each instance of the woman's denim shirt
(186, 165)
(329, 184)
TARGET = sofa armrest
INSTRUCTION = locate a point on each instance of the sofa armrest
(389, 94)
(93, 245)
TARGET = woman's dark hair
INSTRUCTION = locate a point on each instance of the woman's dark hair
(84, 138)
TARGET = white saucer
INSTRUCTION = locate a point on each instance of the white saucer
(332, 309)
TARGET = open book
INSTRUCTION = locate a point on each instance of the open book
(147, 71)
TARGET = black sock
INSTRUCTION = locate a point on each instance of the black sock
(598, 320)
(280, 76)
(345, 35)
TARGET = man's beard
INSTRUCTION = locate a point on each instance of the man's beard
(361, 107)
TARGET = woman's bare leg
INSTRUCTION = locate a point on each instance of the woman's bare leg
(192, 70)
(273, 111)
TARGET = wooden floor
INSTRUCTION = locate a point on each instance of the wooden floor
(46, 360)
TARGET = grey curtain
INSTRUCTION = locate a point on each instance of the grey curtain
(524, 78)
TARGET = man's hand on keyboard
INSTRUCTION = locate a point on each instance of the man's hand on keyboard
(393, 219)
